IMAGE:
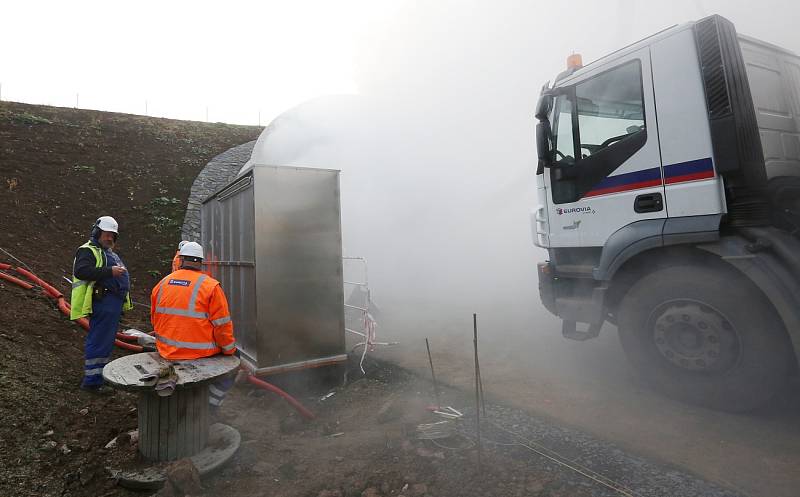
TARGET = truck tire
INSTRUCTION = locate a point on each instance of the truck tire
(784, 195)
(705, 336)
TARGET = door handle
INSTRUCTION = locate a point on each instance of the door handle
(649, 202)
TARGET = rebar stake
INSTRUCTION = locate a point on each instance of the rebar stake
(433, 374)
(477, 388)
(480, 388)
(478, 370)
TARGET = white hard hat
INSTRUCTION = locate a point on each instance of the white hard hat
(191, 249)
(107, 223)
(183, 242)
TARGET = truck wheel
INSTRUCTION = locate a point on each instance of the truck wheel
(705, 336)
(784, 195)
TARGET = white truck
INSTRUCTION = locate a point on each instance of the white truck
(669, 190)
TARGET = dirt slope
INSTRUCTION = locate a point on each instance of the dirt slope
(59, 170)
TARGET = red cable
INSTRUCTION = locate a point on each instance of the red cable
(128, 346)
(291, 400)
(63, 306)
(47, 287)
(18, 281)
(84, 323)
(65, 309)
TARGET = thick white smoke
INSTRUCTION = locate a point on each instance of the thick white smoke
(437, 151)
(443, 225)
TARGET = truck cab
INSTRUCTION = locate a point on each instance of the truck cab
(668, 180)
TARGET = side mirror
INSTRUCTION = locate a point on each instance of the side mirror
(543, 106)
(544, 144)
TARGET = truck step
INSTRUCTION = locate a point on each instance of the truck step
(569, 329)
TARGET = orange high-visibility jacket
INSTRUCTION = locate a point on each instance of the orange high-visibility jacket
(176, 261)
(190, 316)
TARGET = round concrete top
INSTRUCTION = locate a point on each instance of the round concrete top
(124, 373)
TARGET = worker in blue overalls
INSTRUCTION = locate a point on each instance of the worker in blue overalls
(101, 291)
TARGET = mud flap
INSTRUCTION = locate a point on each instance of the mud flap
(587, 308)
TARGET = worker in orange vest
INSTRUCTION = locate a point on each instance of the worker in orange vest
(176, 261)
(190, 316)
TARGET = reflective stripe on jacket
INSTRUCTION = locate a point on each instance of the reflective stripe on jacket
(82, 290)
(190, 316)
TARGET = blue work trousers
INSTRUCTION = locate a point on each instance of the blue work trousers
(217, 391)
(103, 326)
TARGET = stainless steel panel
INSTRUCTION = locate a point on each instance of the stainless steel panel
(298, 264)
(273, 240)
(227, 237)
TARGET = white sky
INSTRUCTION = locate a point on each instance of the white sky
(235, 58)
(238, 58)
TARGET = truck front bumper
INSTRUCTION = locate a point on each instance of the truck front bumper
(572, 299)
(547, 286)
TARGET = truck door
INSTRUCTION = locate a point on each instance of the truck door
(607, 169)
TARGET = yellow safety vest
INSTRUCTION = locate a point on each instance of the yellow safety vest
(81, 297)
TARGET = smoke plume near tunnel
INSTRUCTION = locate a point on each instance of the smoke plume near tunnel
(443, 225)
(437, 149)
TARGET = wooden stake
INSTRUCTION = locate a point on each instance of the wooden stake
(433, 374)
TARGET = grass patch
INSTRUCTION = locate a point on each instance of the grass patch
(82, 168)
(30, 119)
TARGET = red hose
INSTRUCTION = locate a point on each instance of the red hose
(128, 346)
(47, 287)
(83, 322)
(23, 284)
(65, 309)
(63, 306)
(288, 398)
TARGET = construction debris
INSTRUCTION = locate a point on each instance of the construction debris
(433, 431)
(130, 437)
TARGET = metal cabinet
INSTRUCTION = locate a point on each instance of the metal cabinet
(273, 239)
